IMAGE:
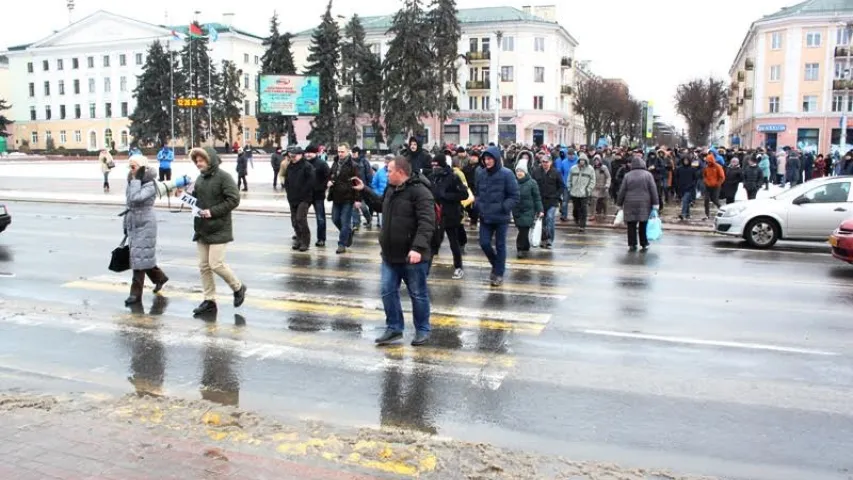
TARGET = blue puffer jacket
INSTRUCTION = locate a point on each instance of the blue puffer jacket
(497, 190)
(380, 181)
(166, 156)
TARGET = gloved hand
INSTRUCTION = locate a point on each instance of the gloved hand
(140, 173)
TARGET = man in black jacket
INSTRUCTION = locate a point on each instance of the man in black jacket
(408, 226)
(275, 161)
(343, 195)
(321, 176)
(420, 160)
(299, 185)
(551, 188)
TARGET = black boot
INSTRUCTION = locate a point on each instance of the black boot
(240, 296)
(207, 306)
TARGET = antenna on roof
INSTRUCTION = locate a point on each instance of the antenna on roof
(70, 5)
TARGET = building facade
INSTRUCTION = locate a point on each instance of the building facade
(791, 82)
(529, 74)
(76, 86)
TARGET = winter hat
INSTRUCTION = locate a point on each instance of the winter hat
(441, 160)
(312, 149)
(140, 160)
(521, 168)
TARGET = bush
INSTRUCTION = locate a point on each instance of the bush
(25, 146)
(50, 145)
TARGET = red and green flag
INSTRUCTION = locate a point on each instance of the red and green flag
(195, 30)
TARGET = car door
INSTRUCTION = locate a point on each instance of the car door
(825, 207)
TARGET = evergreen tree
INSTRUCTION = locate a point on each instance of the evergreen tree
(195, 62)
(151, 121)
(324, 55)
(229, 101)
(446, 33)
(370, 92)
(362, 71)
(4, 121)
(277, 60)
(409, 77)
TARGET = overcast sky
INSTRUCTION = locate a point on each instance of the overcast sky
(654, 44)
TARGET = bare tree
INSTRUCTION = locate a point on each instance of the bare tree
(590, 103)
(701, 102)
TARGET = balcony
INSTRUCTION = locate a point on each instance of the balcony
(747, 93)
(566, 90)
(566, 62)
(740, 101)
(733, 108)
(734, 87)
(843, 51)
(478, 85)
(741, 76)
(749, 64)
(842, 84)
(479, 56)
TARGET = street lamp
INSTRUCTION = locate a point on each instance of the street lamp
(498, 47)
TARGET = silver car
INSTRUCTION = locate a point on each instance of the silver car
(810, 211)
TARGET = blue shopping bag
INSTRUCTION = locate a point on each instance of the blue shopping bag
(654, 229)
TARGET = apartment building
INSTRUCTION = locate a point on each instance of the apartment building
(76, 86)
(529, 73)
(791, 82)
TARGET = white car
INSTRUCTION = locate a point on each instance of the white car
(810, 211)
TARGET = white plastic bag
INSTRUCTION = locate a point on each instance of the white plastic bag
(536, 233)
(620, 219)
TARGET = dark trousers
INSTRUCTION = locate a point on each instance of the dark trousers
(299, 221)
(455, 244)
(712, 195)
(463, 235)
(579, 210)
(633, 229)
(165, 174)
(522, 241)
(751, 193)
(496, 254)
(275, 177)
(241, 180)
(473, 214)
(320, 213)
(138, 280)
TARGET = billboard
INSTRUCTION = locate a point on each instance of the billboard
(289, 94)
(650, 119)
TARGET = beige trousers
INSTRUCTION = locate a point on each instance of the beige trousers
(211, 259)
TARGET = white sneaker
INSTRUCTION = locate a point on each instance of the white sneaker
(458, 274)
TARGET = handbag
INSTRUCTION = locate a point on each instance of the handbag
(120, 258)
(619, 221)
(654, 229)
(536, 233)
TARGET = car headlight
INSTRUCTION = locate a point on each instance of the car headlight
(3, 210)
(733, 211)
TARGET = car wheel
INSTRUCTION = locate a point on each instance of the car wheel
(761, 232)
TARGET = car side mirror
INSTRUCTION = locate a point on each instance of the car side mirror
(801, 200)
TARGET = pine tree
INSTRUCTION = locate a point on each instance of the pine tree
(324, 55)
(229, 100)
(409, 78)
(361, 70)
(4, 121)
(195, 62)
(277, 60)
(151, 121)
(446, 33)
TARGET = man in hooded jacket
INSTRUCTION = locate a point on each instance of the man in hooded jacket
(581, 185)
(497, 195)
(566, 159)
(419, 159)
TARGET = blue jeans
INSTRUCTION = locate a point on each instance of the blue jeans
(496, 258)
(551, 223)
(342, 218)
(415, 277)
(320, 212)
(564, 210)
(686, 199)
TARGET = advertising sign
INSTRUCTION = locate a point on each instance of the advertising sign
(650, 119)
(289, 94)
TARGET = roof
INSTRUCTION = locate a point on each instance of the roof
(812, 8)
(220, 28)
(19, 47)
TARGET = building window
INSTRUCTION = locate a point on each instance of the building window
(60, 65)
(77, 112)
(539, 74)
(487, 103)
(473, 102)
(539, 44)
(47, 113)
(245, 80)
(473, 45)
(139, 59)
(485, 74)
(808, 137)
(257, 106)
(507, 134)
(90, 62)
(91, 110)
(539, 102)
(478, 134)
(107, 85)
(62, 87)
(32, 89)
(106, 60)
(245, 58)
(775, 73)
(32, 112)
(486, 44)
(76, 87)
(508, 44)
(29, 67)
(450, 134)
(812, 71)
(122, 84)
(122, 60)
(257, 59)
(108, 110)
(62, 112)
(507, 102)
(841, 71)
(246, 108)
(813, 39)
(108, 137)
(34, 138)
(842, 36)
(850, 104)
(507, 74)
(47, 89)
(837, 103)
(124, 109)
(78, 136)
(776, 40)
(809, 103)
(93, 140)
(62, 137)
(123, 139)
(48, 135)
(45, 65)
(258, 135)
(91, 85)
(75, 64)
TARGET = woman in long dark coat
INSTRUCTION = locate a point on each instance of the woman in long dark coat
(638, 195)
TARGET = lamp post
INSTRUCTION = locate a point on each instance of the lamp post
(499, 35)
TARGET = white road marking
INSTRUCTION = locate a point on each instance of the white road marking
(710, 343)
(7, 275)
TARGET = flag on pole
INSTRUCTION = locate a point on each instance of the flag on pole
(195, 30)
(177, 36)
(212, 34)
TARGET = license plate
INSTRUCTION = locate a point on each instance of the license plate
(833, 241)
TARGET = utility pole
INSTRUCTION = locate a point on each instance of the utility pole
(70, 5)
(499, 35)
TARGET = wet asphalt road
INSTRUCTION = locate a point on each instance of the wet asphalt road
(701, 356)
